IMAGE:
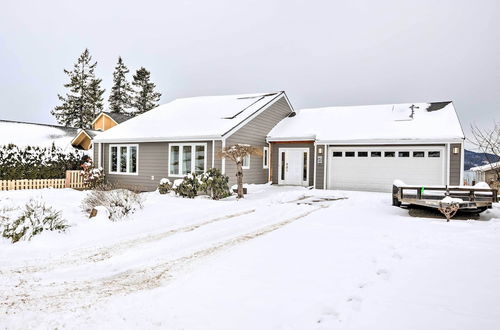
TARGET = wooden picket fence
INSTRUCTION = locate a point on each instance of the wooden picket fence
(73, 180)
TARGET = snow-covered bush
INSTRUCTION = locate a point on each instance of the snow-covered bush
(215, 184)
(119, 202)
(165, 186)
(92, 177)
(22, 224)
(36, 163)
(188, 187)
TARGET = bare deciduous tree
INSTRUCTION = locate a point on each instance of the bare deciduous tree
(237, 154)
(487, 141)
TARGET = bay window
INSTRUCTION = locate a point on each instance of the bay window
(185, 158)
(123, 159)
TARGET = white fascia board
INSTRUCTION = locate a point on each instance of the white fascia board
(103, 114)
(80, 132)
(291, 139)
(252, 116)
(158, 139)
(381, 142)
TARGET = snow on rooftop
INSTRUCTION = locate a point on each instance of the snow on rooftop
(32, 134)
(195, 117)
(372, 122)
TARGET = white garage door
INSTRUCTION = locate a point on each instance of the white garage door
(375, 168)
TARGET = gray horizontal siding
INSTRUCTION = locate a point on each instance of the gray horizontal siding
(275, 160)
(455, 165)
(153, 165)
(254, 133)
(320, 167)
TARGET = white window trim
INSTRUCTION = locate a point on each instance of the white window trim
(181, 157)
(265, 159)
(249, 161)
(118, 159)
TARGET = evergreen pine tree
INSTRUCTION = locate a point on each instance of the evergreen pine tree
(145, 98)
(84, 99)
(95, 98)
(121, 93)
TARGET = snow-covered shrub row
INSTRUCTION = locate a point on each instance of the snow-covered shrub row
(120, 203)
(23, 223)
(165, 186)
(36, 163)
(212, 182)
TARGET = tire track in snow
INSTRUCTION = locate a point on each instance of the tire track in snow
(106, 252)
(84, 294)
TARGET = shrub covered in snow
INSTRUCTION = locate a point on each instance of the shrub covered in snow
(165, 186)
(92, 177)
(22, 224)
(120, 203)
(188, 186)
(215, 184)
(36, 163)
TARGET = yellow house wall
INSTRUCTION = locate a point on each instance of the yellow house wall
(103, 123)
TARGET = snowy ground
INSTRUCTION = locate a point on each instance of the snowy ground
(276, 260)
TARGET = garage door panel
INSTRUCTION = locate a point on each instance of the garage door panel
(378, 173)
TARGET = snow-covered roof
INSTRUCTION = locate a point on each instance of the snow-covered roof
(372, 123)
(486, 167)
(32, 134)
(202, 117)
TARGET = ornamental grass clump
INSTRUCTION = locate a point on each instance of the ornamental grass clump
(19, 224)
(120, 203)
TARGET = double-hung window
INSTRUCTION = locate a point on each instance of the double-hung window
(123, 159)
(185, 158)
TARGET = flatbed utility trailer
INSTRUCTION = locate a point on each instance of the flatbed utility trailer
(468, 199)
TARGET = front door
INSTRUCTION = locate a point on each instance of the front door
(293, 166)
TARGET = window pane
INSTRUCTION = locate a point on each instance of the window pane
(376, 154)
(199, 159)
(282, 166)
(174, 160)
(266, 155)
(304, 171)
(389, 154)
(132, 163)
(186, 159)
(246, 161)
(337, 154)
(123, 159)
(349, 153)
(404, 154)
(362, 153)
(418, 154)
(434, 154)
(114, 159)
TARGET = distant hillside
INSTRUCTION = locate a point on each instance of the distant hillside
(472, 159)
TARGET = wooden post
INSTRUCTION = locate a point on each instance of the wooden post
(68, 180)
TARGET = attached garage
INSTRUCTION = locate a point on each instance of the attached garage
(374, 168)
(368, 147)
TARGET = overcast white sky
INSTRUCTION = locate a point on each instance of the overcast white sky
(322, 53)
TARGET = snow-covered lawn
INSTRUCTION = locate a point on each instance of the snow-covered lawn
(281, 259)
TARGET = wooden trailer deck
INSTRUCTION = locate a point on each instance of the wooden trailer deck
(472, 199)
